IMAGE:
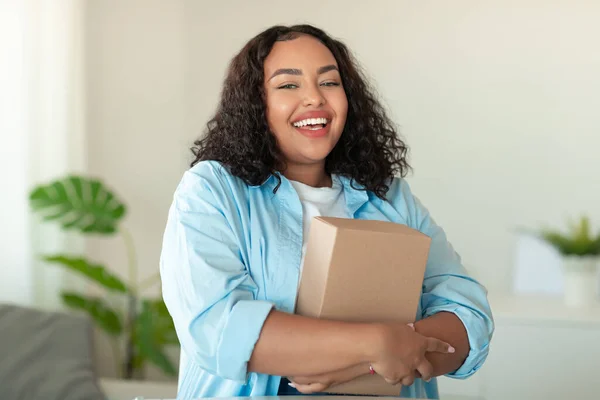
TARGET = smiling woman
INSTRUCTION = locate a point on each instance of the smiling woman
(298, 134)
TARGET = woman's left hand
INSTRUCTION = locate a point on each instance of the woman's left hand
(320, 383)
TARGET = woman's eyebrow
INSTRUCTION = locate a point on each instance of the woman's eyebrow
(286, 71)
(327, 68)
(295, 71)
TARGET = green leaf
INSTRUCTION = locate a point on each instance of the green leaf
(80, 203)
(95, 272)
(579, 241)
(146, 343)
(164, 328)
(104, 316)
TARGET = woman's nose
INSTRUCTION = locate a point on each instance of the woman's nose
(314, 97)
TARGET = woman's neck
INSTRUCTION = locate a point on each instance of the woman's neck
(312, 175)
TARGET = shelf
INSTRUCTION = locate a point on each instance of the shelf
(536, 309)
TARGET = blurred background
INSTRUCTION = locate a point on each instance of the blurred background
(497, 100)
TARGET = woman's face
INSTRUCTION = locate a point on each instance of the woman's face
(306, 102)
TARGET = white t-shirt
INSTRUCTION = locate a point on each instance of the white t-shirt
(319, 202)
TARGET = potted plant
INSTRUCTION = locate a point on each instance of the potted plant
(580, 251)
(140, 328)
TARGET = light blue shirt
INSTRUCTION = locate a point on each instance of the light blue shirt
(232, 252)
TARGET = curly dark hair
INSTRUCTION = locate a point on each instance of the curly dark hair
(368, 152)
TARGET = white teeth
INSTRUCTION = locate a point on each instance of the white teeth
(311, 121)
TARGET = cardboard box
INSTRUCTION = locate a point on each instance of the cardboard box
(362, 271)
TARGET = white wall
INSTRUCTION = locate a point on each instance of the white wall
(497, 100)
(137, 122)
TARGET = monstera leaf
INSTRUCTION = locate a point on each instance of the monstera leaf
(105, 317)
(96, 273)
(150, 338)
(78, 203)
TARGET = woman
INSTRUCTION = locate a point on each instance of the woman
(298, 134)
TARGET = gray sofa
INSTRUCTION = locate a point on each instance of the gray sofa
(49, 355)
(46, 355)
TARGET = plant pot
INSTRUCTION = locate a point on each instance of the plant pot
(581, 280)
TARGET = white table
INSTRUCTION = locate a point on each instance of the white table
(311, 398)
(129, 390)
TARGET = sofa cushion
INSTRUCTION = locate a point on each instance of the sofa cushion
(45, 355)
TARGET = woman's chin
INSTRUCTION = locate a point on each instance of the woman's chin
(315, 156)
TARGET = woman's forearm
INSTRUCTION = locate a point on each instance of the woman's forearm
(449, 328)
(292, 345)
(320, 383)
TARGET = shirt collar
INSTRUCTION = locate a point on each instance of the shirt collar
(355, 194)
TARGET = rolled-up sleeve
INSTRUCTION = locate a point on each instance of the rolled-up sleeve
(448, 287)
(206, 286)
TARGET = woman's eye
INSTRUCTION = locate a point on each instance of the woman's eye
(330, 84)
(288, 86)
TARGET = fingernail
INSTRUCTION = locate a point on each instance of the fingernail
(451, 349)
(292, 385)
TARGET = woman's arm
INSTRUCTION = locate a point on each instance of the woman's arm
(449, 328)
(292, 345)
(444, 326)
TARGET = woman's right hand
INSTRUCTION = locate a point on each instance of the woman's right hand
(401, 352)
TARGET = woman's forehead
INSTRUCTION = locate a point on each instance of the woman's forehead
(304, 53)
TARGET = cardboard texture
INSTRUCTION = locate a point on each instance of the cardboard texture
(362, 271)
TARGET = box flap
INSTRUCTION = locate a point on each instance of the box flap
(370, 225)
